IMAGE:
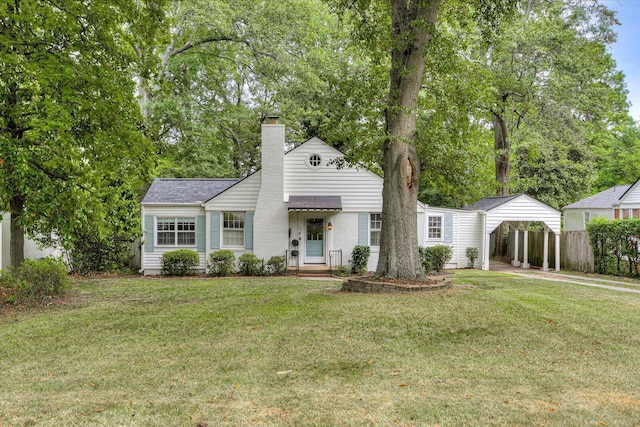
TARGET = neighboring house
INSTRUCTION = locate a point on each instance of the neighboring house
(31, 249)
(302, 195)
(621, 201)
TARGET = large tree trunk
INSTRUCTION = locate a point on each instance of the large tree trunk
(16, 244)
(412, 24)
(502, 146)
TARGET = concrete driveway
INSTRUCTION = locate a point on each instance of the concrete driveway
(596, 282)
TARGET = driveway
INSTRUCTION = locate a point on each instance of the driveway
(553, 276)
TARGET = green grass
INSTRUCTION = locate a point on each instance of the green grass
(496, 350)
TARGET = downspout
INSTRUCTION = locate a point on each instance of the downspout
(141, 271)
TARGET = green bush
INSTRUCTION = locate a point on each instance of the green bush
(221, 262)
(182, 262)
(277, 265)
(435, 257)
(341, 270)
(91, 254)
(250, 265)
(472, 255)
(359, 258)
(615, 245)
(36, 280)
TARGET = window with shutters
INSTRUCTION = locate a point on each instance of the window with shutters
(233, 229)
(175, 231)
(434, 227)
(375, 226)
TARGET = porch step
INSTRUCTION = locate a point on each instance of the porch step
(313, 275)
(310, 271)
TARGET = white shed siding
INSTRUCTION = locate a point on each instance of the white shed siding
(360, 189)
(469, 235)
(523, 208)
(152, 261)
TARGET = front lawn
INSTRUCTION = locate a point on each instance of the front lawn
(496, 350)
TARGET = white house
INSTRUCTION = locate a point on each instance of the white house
(31, 249)
(618, 202)
(301, 195)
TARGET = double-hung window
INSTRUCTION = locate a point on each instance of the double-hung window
(176, 231)
(587, 218)
(233, 229)
(434, 227)
(375, 226)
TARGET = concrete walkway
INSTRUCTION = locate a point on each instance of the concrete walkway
(566, 278)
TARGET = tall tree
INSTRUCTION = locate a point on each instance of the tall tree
(221, 73)
(406, 28)
(551, 61)
(69, 123)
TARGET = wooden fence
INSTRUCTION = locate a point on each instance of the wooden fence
(575, 250)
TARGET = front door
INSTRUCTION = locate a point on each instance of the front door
(314, 249)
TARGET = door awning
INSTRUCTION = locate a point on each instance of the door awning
(315, 203)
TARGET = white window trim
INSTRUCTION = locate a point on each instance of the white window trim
(244, 232)
(175, 231)
(308, 161)
(426, 228)
(372, 247)
(585, 221)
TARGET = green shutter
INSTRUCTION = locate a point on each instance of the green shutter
(248, 230)
(363, 228)
(448, 227)
(149, 235)
(214, 218)
(201, 233)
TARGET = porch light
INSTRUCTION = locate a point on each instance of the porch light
(329, 226)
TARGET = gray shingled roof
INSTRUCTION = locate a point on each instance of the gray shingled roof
(489, 203)
(603, 200)
(186, 190)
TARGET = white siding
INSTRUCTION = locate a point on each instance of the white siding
(31, 249)
(467, 232)
(632, 197)
(152, 261)
(523, 208)
(359, 188)
(574, 218)
(240, 197)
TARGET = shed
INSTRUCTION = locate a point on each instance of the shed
(518, 211)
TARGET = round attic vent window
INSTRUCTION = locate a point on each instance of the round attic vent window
(315, 160)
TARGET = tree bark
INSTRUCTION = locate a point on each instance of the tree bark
(502, 146)
(16, 244)
(412, 25)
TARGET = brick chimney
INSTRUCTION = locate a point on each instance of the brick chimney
(271, 221)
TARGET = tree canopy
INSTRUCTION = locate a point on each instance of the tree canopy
(71, 139)
(451, 99)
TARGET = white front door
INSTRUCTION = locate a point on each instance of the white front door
(314, 242)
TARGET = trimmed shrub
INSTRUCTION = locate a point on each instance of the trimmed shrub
(435, 257)
(277, 265)
(221, 262)
(359, 258)
(37, 280)
(472, 255)
(615, 245)
(250, 265)
(341, 270)
(182, 262)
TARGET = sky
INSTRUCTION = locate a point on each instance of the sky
(626, 50)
